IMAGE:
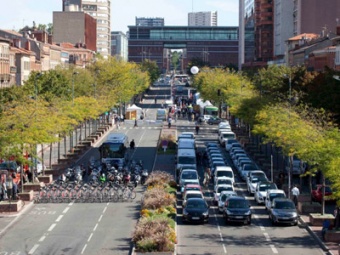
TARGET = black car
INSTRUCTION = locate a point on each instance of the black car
(214, 120)
(237, 209)
(196, 210)
(283, 211)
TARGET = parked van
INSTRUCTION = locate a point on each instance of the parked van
(161, 114)
(186, 143)
(186, 158)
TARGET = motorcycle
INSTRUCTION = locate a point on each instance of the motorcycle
(145, 175)
(126, 178)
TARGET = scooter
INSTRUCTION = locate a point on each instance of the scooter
(145, 176)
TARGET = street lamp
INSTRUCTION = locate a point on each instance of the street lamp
(74, 73)
(37, 75)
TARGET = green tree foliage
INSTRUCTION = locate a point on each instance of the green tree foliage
(151, 68)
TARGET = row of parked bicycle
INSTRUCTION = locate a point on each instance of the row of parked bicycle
(60, 192)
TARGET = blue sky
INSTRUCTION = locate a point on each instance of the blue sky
(175, 12)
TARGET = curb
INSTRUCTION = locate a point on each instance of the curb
(316, 237)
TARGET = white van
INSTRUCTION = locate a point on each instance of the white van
(186, 143)
(224, 136)
(224, 171)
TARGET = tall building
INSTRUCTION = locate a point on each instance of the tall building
(202, 19)
(150, 22)
(283, 26)
(101, 11)
(119, 45)
(315, 16)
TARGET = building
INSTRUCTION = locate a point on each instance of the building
(202, 19)
(101, 11)
(215, 46)
(75, 28)
(7, 65)
(119, 45)
(150, 22)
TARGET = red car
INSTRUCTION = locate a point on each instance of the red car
(317, 193)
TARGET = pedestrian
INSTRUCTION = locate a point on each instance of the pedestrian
(169, 122)
(155, 100)
(136, 123)
(326, 224)
(9, 186)
(295, 194)
(197, 128)
(207, 176)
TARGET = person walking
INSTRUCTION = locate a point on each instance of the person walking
(207, 176)
(169, 122)
(136, 123)
(197, 128)
(295, 194)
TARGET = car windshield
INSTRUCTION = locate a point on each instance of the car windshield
(186, 160)
(224, 173)
(220, 189)
(275, 195)
(237, 203)
(258, 179)
(224, 181)
(196, 204)
(193, 195)
(189, 175)
(264, 187)
(192, 188)
(284, 205)
(249, 167)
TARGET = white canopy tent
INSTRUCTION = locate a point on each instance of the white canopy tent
(133, 112)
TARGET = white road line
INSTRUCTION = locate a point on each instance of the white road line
(262, 228)
(70, 204)
(255, 216)
(273, 249)
(51, 227)
(82, 251)
(88, 240)
(59, 218)
(42, 238)
(66, 209)
(104, 209)
(267, 237)
(225, 249)
(95, 227)
(218, 227)
(221, 237)
(100, 218)
(33, 249)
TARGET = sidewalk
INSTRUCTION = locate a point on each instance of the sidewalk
(315, 232)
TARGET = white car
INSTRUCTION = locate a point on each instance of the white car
(261, 191)
(225, 171)
(188, 176)
(252, 183)
(271, 194)
(230, 143)
(247, 168)
(223, 197)
(191, 194)
(219, 188)
(223, 180)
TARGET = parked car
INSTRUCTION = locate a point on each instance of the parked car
(229, 143)
(195, 210)
(223, 180)
(189, 187)
(283, 211)
(317, 193)
(192, 194)
(188, 176)
(237, 209)
(271, 195)
(222, 199)
(218, 189)
(252, 183)
(261, 191)
(247, 168)
(226, 171)
(214, 120)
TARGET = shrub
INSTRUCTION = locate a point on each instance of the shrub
(154, 234)
(156, 198)
(159, 178)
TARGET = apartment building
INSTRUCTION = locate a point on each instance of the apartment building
(202, 19)
(119, 45)
(150, 22)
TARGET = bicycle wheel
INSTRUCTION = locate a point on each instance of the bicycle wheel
(132, 194)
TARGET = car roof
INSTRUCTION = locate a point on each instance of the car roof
(228, 192)
(237, 198)
(282, 199)
(193, 192)
(192, 185)
(196, 199)
(224, 168)
(275, 191)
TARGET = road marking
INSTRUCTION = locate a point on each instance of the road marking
(224, 249)
(82, 251)
(256, 216)
(66, 209)
(51, 227)
(221, 237)
(42, 238)
(104, 209)
(59, 218)
(95, 227)
(218, 227)
(100, 218)
(88, 240)
(273, 248)
(70, 204)
(33, 249)
(267, 237)
(262, 228)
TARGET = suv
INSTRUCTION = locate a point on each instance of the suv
(237, 209)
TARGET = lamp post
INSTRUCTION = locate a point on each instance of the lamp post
(37, 75)
(74, 73)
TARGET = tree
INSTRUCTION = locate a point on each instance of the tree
(151, 68)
